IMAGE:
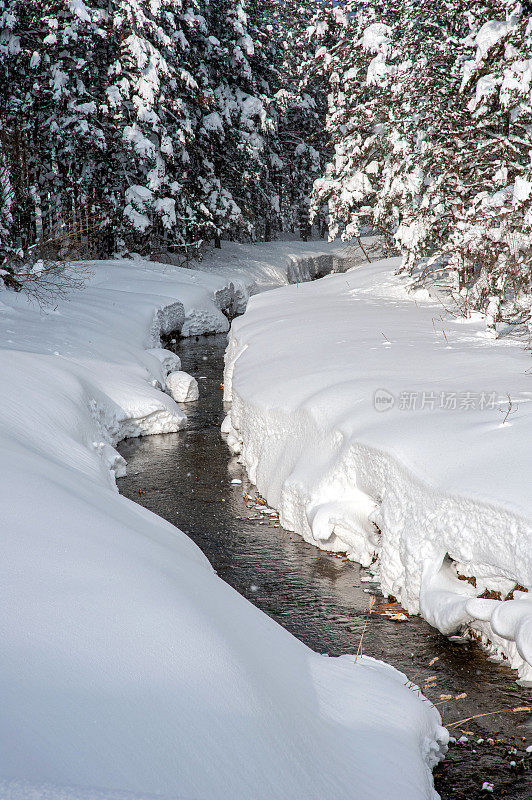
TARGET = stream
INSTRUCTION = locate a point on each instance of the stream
(322, 598)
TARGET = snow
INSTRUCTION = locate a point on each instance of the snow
(140, 196)
(521, 190)
(142, 145)
(255, 268)
(489, 34)
(169, 360)
(376, 38)
(129, 669)
(381, 426)
(377, 70)
(212, 122)
(182, 387)
(165, 207)
(79, 8)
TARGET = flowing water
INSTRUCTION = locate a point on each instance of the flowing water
(322, 598)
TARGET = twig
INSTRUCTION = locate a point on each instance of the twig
(509, 409)
(489, 713)
(363, 250)
(359, 649)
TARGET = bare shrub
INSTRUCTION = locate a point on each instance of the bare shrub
(52, 268)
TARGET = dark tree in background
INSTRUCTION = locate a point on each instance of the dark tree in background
(130, 125)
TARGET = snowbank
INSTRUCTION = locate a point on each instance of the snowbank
(182, 387)
(128, 667)
(250, 269)
(375, 422)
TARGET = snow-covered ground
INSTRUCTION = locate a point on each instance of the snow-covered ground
(381, 425)
(128, 667)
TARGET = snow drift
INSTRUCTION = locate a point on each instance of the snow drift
(381, 425)
(128, 667)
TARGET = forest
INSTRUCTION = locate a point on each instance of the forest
(162, 127)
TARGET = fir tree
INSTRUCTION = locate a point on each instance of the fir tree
(429, 115)
(154, 125)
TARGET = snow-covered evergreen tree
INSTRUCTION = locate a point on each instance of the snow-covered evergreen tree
(265, 112)
(301, 108)
(152, 95)
(490, 245)
(7, 249)
(429, 115)
(155, 125)
(352, 42)
(234, 129)
(52, 117)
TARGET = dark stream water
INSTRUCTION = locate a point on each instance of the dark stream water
(321, 598)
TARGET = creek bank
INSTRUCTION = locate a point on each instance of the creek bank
(363, 415)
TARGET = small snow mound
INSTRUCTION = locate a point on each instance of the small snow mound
(226, 424)
(169, 361)
(182, 387)
(167, 320)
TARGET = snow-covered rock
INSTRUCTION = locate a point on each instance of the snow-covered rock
(182, 387)
(170, 361)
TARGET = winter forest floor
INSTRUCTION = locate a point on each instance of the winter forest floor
(115, 626)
